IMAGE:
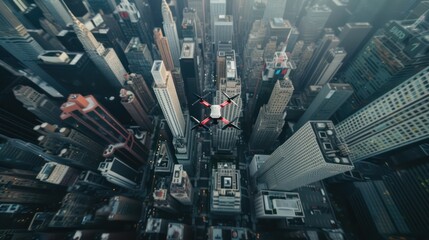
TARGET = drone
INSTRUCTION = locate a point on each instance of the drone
(215, 115)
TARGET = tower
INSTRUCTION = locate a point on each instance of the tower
(230, 83)
(352, 36)
(226, 189)
(130, 21)
(15, 39)
(38, 104)
(190, 74)
(311, 154)
(170, 30)
(328, 66)
(311, 25)
(119, 173)
(137, 84)
(274, 9)
(139, 59)
(395, 119)
(270, 120)
(164, 48)
(166, 94)
(104, 58)
(217, 7)
(139, 115)
(98, 121)
(223, 29)
(326, 103)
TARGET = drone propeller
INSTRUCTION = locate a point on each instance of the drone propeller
(200, 98)
(231, 99)
(230, 124)
(199, 124)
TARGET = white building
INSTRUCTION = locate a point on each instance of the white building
(170, 30)
(59, 174)
(276, 204)
(181, 188)
(165, 92)
(311, 154)
(119, 173)
(217, 7)
(226, 192)
(398, 118)
(257, 161)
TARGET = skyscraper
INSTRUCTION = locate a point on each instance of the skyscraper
(190, 74)
(394, 120)
(311, 154)
(166, 94)
(311, 25)
(326, 103)
(224, 140)
(270, 121)
(104, 58)
(55, 12)
(181, 188)
(274, 9)
(217, 7)
(328, 66)
(99, 122)
(137, 84)
(39, 104)
(139, 59)
(223, 29)
(170, 30)
(139, 115)
(131, 22)
(398, 52)
(352, 36)
(164, 48)
(15, 39)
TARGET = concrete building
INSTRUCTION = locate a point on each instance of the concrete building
(223, 29)
(55, 12)
(274, 9)
(162, 198)
(190, 74)
(170, 30)
(281, 28)
(278, 205)
(226, 191)
(326, 103)
(74, 209)
(163, 48)
(352, 37)
(157, 227)
(313, 153)
(224, 140)
(217, 7)
(270, 121)
(181, 188)
(328, 66)
(37, 103)
(394, 120)
(131, 22)
(82, 110)
(141, 88)
(135, 109)
(178, 231)
(119, 173)
(257, 161)
(164, 159)
(221, 233)
(139, 59)
(312, 23)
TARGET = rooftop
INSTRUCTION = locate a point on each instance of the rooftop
(281, 204)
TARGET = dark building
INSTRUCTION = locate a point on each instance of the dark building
(189, 67)
(106, 6)
(70, 41)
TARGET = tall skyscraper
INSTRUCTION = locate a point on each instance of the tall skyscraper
(190, 74)
(311, 154)
(217, 7)
(311, 25)
(39, 104)
(15, 39)
(166, 94)
(270, 121)
(191, 26)
(137, 84)
(223, 29)
(99, 122)
(224, 140)
(280, 28)
(181, 188)
(328, 66)
(274, 9)
(352, 36)
(135, 109)
(55, 12)
(104, 58)
(162, 197)
(280, 205)
(394, 120)
(131, 22)
(226, 189)
(139, 59)
(398, 52)
(293, 10)
(164, 48)
(170, 30)
(326, 103)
